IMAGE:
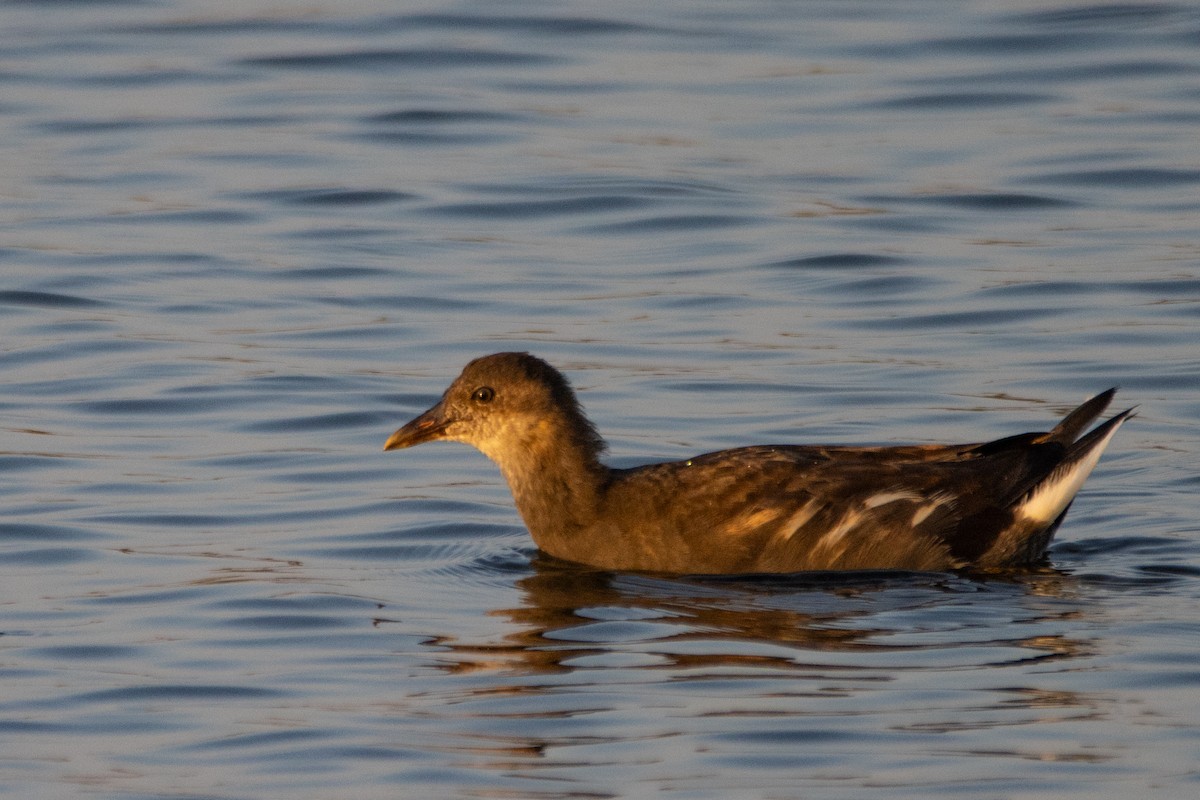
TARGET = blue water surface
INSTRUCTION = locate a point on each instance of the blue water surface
(240, 243)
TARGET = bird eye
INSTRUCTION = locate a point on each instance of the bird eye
(484, 394)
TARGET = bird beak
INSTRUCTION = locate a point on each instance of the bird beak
(428, 427)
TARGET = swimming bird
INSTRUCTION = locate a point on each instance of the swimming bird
(767, 508)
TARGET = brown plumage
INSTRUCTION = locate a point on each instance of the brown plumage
(774, 508)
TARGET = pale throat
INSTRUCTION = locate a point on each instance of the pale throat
(543, 466)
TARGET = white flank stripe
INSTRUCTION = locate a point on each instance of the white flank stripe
(883, 498)
(835, 534)
(922, 513)
(799, 518)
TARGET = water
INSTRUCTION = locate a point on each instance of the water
(240, 243)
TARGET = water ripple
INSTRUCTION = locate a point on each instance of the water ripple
(409, 58)
(47, 300)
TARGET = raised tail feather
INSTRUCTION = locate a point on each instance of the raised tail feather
(1067, 431)
(1049, 498)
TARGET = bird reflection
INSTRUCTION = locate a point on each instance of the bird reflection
(589, 661)
(573, 616)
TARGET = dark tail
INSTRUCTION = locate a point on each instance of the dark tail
(1067, 431)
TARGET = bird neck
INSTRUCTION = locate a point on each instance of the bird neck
(557, 480)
